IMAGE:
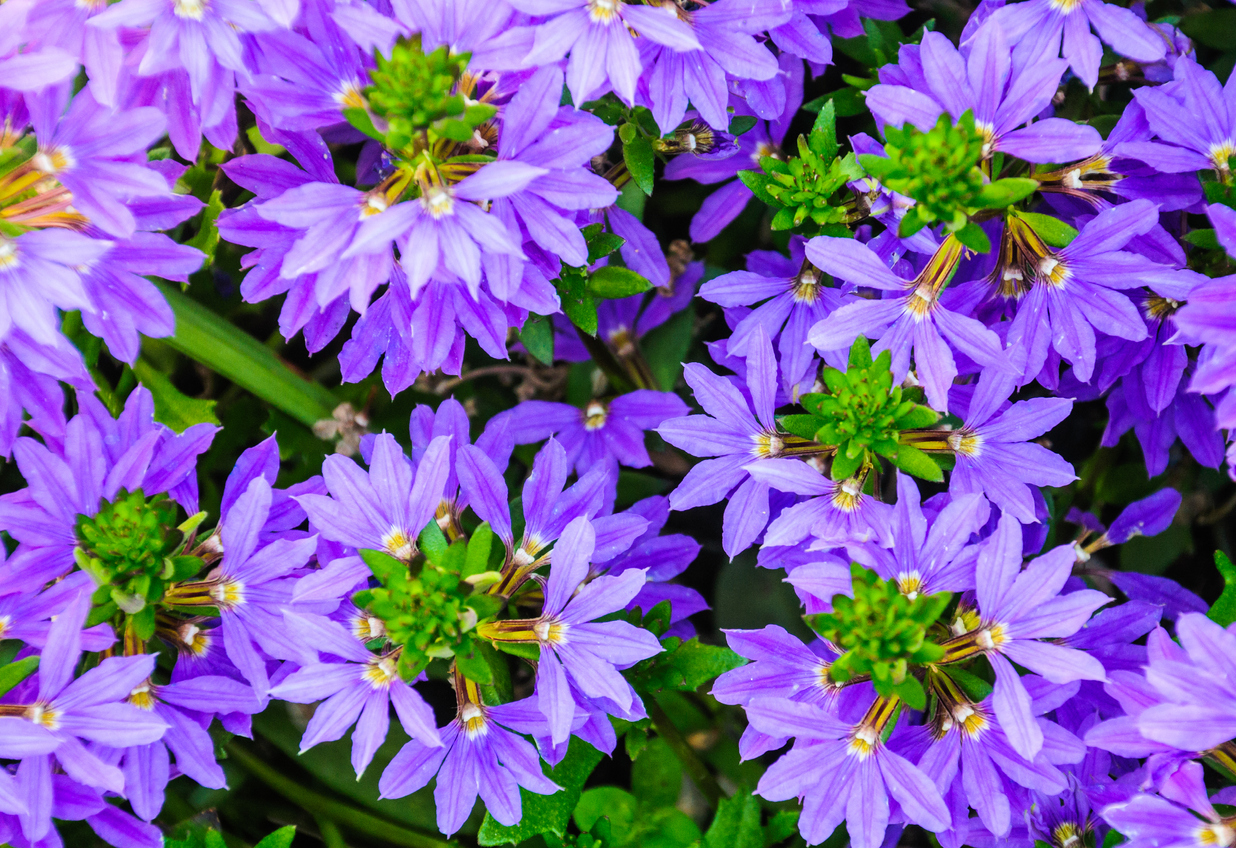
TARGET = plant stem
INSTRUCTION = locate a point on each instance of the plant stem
(702, 777)
(338, 813)
(331, 836)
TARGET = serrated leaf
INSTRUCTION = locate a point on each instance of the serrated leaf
(171, 406)
(547, 814)
(685, 667)
(641, 162)
(537, 337)
(758, 183)
(613, 281)
(16, 672)
(913, 461)
(823, 137)
(1223, 610)
(1052, 231)
(281, 838)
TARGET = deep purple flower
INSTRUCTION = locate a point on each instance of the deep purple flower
(1190, 822)
(1040, 25)
(1004, 91)
(605, 432)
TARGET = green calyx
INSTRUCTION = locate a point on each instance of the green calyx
(804, 187)
(127, 547)
(417, 92)
(862, 416)
(940, 170)
(429, 608)
(883, 634)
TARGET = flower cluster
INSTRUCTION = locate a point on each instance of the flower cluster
(944, 293)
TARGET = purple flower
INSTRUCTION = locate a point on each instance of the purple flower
(926, 556)
(481, 753)
(764, 139)
(1190, 822)
(1040, 25)
(994, 451)
(25, 67)
(737, 427)
(834, 512)
(1014, 611)
(794, 299)
(358, 691)
(607, 433)
(99, 457)
(842, 772)
(600, 37)
(1003, 92)
(251, 587)
(199, 38)
(40, 273)
(725, 30)
(1192, 119)
(53, 715)
(914, 321)
(578, 652)
(30, 377)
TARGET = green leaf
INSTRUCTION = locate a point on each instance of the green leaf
(1223, 610)
(577, 301)
(758, 183)
(613, 281)
(1112, 839)
(845, 466)
(484, 605)
(973, 237)
(641, 162)
(432, 543)
(911, 692)
(1216, 29)
(783, 825)
(665, 347)
(361, 119)
(207, 237)
(608, 802)
(281, 838)
(14, 673)
(381, 563)
(803, 426)
(740, 124)
(172, 407)
(656, 777)
(600, 243)
(537, 337)
(1052, 231)
(736, 824)
(973, 685)
(1205, 239)
(1006, 192)
(918, 418)
(913, 461)
(523, 650)
(480, 545)
(823, 137)
(687, 666)
(547, 814)
(475, 668)
(227, 350)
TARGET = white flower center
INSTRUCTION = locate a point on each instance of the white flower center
(194, 10)
(603, 11)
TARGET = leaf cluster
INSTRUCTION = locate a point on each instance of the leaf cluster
(579, 289)
(940, 170)
(862, 416)
(883, 634)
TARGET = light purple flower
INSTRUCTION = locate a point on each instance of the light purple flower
(1190, 822)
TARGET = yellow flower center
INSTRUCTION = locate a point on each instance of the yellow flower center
(194, 10)
(44, 715)
(380, 672)
(848, 495)
(438, 202)
(594, 415)
(767, 445)
(8, 254)
(398, 544)
(603, 11)
(143, 697)
(474, 721)
(350, 96)
(863, 742)
(229, 593)
(1221, 834)
(965, 442)
(1066, 835)
(910, 583)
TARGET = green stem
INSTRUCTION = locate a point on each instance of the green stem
(320, 805)
(618, 376)
(331, 837)
(211, 340)
(700, 775)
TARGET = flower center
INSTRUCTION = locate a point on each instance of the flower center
(551, 632)
(52, 161)
(473, 718)
(8, 254)
(194, 10)
(1220, 154)
(767, 445)
(1053, 272)
(848, 495)
(965, 443)
(350, 96)
(380, 672)
(366, 627)
(143, 697)
(603, 11)
(44, 715)
(229, 593)
(594, 415)
(398, 544)
(910, 583)
(1066, 6)
(1066, 835)
(1221, 834)
(863, 742)
(438, 202)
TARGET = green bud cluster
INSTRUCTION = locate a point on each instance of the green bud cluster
(127, 548)
(416, 91)
(883, 634)
(802, 188)
(940, 170)
(428, 607)
(862, 416)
